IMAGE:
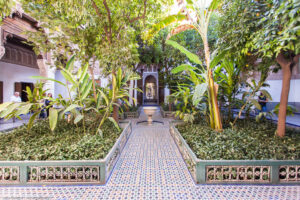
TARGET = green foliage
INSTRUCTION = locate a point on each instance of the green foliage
(194, 58)
(279, 28)
(119, 91)
(6, 8)
(290, 110)
(95, 30)
(65, 143)
(248, 141)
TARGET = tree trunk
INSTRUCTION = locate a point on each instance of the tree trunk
(116, 113)
(115, 107)
(215, 117)
(286, 79)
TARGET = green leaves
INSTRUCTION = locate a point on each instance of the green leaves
(181, 68)
(214, 5)
(171, 19)
(194, 58)
(32, 120)
(78, 118)
(255, 103)
(66, 142)
(71, 107)
(48, 79)
(248, 141)
(114, 122)
(53, 115)
(199, 92)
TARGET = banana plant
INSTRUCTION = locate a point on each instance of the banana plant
(184, 106)
(195, 14)
(78, 87)
(228, 78)
(34, 104)
(250, 97)
(119, 92)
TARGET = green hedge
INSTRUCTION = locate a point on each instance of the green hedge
(67, 142)
(248, 140)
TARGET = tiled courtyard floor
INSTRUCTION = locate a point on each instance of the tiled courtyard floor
(151, 167)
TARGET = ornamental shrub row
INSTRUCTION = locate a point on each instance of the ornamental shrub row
(249, 140)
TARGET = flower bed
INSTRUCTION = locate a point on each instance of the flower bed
(93, 164)
(207, 166)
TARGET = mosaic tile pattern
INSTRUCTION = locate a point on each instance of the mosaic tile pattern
(151, 167)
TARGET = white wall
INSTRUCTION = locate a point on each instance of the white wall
(11, 73)
(59, 89)
(167, 93)
(275, 90)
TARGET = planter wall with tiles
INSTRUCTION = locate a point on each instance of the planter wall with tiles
(64, 172)
(236, 171)
(166, 114)
(130, 115)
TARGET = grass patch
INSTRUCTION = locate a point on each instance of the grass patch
(67, 142)
(249, 140)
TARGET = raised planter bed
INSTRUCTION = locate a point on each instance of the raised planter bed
(135, 114)
(64, 172)
(236, 171)
(166, 114)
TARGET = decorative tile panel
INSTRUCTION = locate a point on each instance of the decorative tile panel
(9, 174)
(241, 173)
(48, 174)
(290, 173)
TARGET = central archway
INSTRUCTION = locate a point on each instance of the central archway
(150, 90)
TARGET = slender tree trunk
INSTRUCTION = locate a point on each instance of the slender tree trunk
(115, 107)
(116, 113)
(93, 81)
(214, 107)
(286, 79)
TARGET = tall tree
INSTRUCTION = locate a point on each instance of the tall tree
(101, 30)
(270, 30)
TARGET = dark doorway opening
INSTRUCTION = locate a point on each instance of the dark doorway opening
(21, 88)
(23, 92)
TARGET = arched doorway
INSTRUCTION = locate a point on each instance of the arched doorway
(150, 90)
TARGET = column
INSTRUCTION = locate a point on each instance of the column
(2, 49)
(131, 92)
(47, 71)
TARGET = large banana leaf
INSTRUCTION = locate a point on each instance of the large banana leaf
(53, 116)
(181, 68)
(171, 19)
(199, 93)
(70, 64)
(193, 57)
(180, 29)
(48, 79)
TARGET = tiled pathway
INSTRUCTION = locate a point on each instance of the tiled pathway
(151, 167)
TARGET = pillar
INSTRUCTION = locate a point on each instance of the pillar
(47, 71)
(2, 48)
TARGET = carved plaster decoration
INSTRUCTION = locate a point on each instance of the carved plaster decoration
(43, 67)
(2, 48)
(18, 9)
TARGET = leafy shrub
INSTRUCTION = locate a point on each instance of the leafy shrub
(165, 107)
(129, 108)
(249, 140)
(67, 142)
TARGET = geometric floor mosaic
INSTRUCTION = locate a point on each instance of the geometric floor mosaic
(151, 167)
